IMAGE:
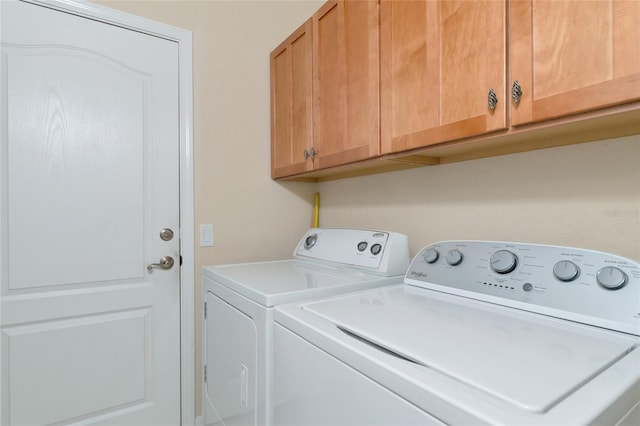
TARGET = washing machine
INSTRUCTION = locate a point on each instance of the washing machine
(479, 333)
(238, 303)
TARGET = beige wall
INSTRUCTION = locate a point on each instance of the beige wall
(233, 189)
(586, 195)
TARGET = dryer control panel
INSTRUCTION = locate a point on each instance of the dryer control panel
(581, 285)
(382, 252)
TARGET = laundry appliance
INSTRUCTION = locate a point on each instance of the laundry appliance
(238, 302)
(480, 333)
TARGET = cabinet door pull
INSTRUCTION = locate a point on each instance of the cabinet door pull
(306, 154)
(492, 99)
(516, 92)
(312, 153)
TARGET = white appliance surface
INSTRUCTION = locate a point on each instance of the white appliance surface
(238, 307)
(496, 360)
(493, 351)
(276, 282)
(325, 261)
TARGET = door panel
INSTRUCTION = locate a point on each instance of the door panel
(231, 362)
(89, 176)
(64, 150)
(117, 340)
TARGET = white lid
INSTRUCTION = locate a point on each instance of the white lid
(276, 282)
(527, 360)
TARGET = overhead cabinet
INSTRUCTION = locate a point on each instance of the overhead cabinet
(572, 56)
(325, 113)
(399, 83)
(291, 122)
(443, 70)
(345, 82)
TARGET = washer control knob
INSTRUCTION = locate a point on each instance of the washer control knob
(566, 270)
(503, 261)
(376, 249)
(431, 255)
(611, 278)
(310, 241)
(454, 257)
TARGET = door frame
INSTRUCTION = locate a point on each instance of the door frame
(185, 105)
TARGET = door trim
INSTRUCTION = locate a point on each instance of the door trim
(185, 105)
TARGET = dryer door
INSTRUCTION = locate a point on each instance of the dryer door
(230, 353)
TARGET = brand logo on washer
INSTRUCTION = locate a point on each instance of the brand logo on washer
(418, 274)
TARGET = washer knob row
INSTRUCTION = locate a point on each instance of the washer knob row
(504, 262)
(609, 277)
(453, 257)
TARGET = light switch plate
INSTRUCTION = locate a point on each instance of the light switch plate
(206, 235)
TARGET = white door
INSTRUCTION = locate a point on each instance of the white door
(89, 161)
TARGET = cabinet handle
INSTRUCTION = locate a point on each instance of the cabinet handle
(312, 153)
(306, 155)
(492, 99)
(516, 92)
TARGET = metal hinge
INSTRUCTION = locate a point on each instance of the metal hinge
(205, 373)
(205, 310)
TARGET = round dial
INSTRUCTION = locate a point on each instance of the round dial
(566, 270)
(454, 257)
(430, 255)
(503, 261)
(611, 278)
(362, 246)
(376, 249)
(310, 241)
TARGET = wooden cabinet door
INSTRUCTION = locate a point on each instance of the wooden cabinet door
(571, 56)
(291, 106)
(345, 82)
(439, 59)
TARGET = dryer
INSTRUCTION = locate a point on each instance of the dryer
(480, 333)
(238, 303)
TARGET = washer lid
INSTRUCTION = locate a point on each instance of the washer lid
(527, 360)
(276, 282)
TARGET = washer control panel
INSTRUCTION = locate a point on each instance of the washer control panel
(381, 252)
(581, 285)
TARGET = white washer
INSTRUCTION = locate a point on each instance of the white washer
(239, 299)
(480, 333)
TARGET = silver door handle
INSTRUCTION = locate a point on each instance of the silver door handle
(166, 262)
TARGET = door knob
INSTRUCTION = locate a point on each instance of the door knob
(166, 234)
(166, 262)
